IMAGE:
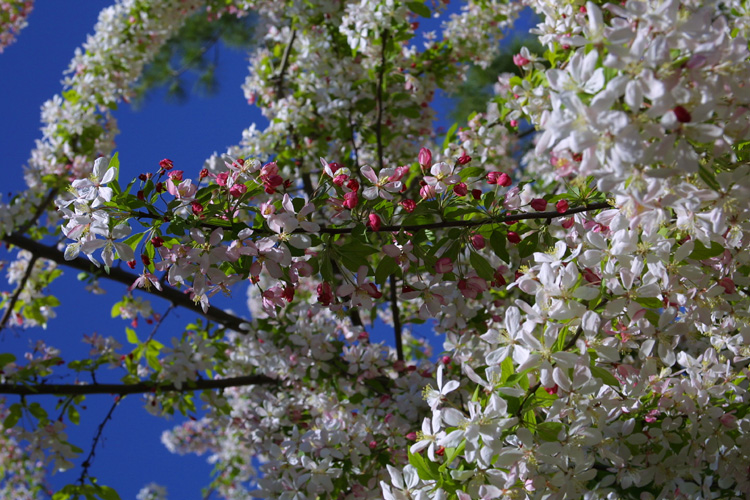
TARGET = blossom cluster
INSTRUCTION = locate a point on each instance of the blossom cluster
(13, 18)
(591, 301)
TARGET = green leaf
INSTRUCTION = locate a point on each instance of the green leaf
(73, 415)
(497, 242)
(424, 470)
(386, 267)
(449, 136)
(107, 493)
(548, 431)
(700, 252)
(650, 302)
(132, 336)
(6, 358)
(528, 245)
(419, 8)
(13, 417)
(481, 266)
(471, 172)
(605, 376)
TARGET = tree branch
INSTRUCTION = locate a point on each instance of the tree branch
(137, 388)
(396, 319)
(284, 65)
(115, 274)
(379, 101)
(17, 293)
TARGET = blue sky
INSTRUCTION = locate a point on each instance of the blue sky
(130, 454)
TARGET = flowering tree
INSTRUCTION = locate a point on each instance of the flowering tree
(590, 291)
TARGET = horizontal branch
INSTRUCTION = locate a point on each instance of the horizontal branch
(470, 223)
(115, 274)
(418, 227)
(137, 388)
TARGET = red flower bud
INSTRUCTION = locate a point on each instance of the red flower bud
(538, 204)
(166, 164)
(460, 189)
(568, 223)
(353, 185)
(409, 205)
(513, 237)
(562, 206)
(204, 173)
(197, 208)
(682, 114)
(157, 241)
(476, 194)
(464, 159)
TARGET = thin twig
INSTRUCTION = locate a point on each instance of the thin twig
(158, 323)
(26, 389)
(87, 463)
(17, 293)
(396, 319)
(532, 390)
(354, 141)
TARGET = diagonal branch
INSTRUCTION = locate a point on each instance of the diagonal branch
(137, 388)
(87, 463)
(17, 293)
(279, 77)
(115, 274)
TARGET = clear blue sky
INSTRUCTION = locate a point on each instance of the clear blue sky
(130, 454)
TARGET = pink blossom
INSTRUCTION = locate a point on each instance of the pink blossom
(444, 265)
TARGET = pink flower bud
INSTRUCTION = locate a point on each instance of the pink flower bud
(176, 175)
(237, 190)
(568, 223)
(562, 206)
(203, 174)
(427, 192)
(445, 360)
(538, 204)
(460, 189)
(728, 285)
(350, 200)
(444, 265)
(157, 241)
(464, 159)
(166, 164)
(514, 123)
(373, 220)
(197, 208)
(425, 157)
(477, 241)
(519, 60)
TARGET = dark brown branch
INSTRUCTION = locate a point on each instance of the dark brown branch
(471, 223)
(17, 293)
(433, 225)
(115, 274)
(137, 388)
(396, 320)
(284, 64)
(87, 463)
(379, 101)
